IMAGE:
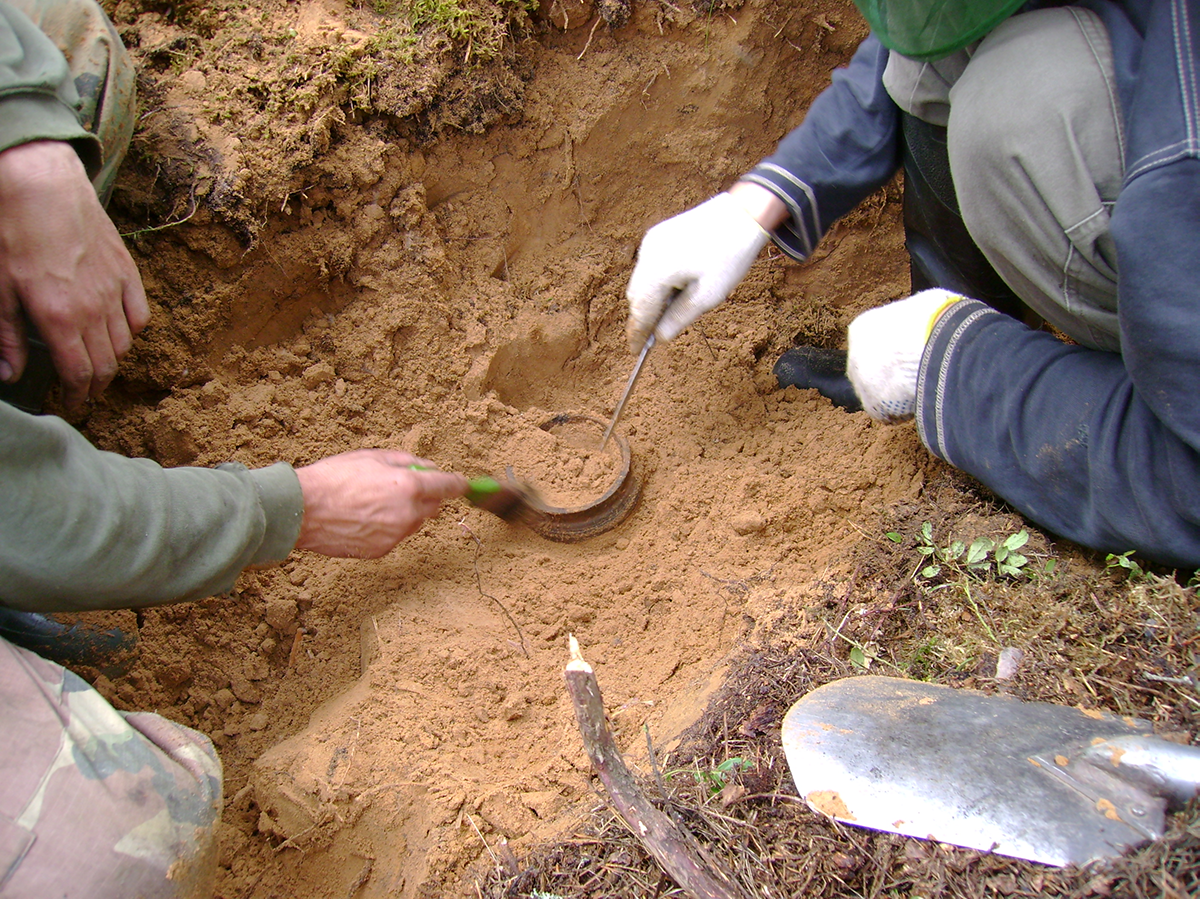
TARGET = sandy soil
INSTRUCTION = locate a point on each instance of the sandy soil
(437, 264)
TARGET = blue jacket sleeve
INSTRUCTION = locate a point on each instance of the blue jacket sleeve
(846, 148)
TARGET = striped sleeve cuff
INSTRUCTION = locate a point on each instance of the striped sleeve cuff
(799, 234)
(945, 338)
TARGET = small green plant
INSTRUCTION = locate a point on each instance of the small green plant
(1124, 561)
(1009, 562)
(862, 657)
(924, 654)
(981, 558)
(715, 779)
(859, 658)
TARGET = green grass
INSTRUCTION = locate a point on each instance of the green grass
(481, 25)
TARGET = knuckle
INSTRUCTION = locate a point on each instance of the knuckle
(77, 373)
(103, 374)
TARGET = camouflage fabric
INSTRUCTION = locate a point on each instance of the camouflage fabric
(96, 803)
(102, 72)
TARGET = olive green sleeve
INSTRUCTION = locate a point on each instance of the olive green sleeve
(81, 528)
(38, 98)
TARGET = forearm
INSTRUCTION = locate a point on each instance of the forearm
(1061, 433)
(846, 148)
(763, 206)
(85, 529)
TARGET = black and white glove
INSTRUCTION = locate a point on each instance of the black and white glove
(884, 352)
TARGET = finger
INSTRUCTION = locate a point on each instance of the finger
(436, 486)
(424, 464)
(120, 337)
(430, 480)
(401, 459)
(430, 509)
(74, 368)
(103, 358)
(637, 333)
(68, 350)
(647, 295)
(126, 321)
(137, 310)
(421, 507)
(646, 305)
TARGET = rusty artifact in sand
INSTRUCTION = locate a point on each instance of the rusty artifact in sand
(572, 521)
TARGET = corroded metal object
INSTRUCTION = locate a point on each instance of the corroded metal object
(570, 525)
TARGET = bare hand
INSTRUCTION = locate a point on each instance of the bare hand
(63, 262)
(362, 503)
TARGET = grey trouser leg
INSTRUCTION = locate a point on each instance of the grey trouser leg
(96, 803)
(102, 72)
(1036, 153)
(1036, 150)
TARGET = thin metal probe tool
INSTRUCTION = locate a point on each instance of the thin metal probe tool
(637, 370)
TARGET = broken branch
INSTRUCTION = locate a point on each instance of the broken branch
(671, 846)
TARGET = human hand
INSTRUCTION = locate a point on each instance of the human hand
(63, 263)
(703, 254)
(885, 345)
(362, 503)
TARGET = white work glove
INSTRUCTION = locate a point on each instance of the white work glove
(884, 352)
(703, 254)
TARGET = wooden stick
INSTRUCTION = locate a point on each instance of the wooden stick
(674, 848)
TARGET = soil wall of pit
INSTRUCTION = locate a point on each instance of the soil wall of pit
(365, 283)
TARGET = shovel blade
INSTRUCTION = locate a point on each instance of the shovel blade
(958, 766)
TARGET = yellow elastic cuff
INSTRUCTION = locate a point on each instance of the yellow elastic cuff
(933, 320)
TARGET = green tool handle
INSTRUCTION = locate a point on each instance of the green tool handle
(478, 489)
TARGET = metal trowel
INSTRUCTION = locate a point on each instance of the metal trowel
(1028, 780)
(637, 370)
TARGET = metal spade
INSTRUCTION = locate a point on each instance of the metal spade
(1036, 781)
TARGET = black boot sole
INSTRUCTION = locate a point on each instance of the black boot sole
(823, 370)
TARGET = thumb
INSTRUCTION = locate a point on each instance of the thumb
(14, 349)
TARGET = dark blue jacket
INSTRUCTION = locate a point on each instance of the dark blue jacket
(1100, 448)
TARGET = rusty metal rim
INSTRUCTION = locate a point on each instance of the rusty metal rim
(570, 525)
